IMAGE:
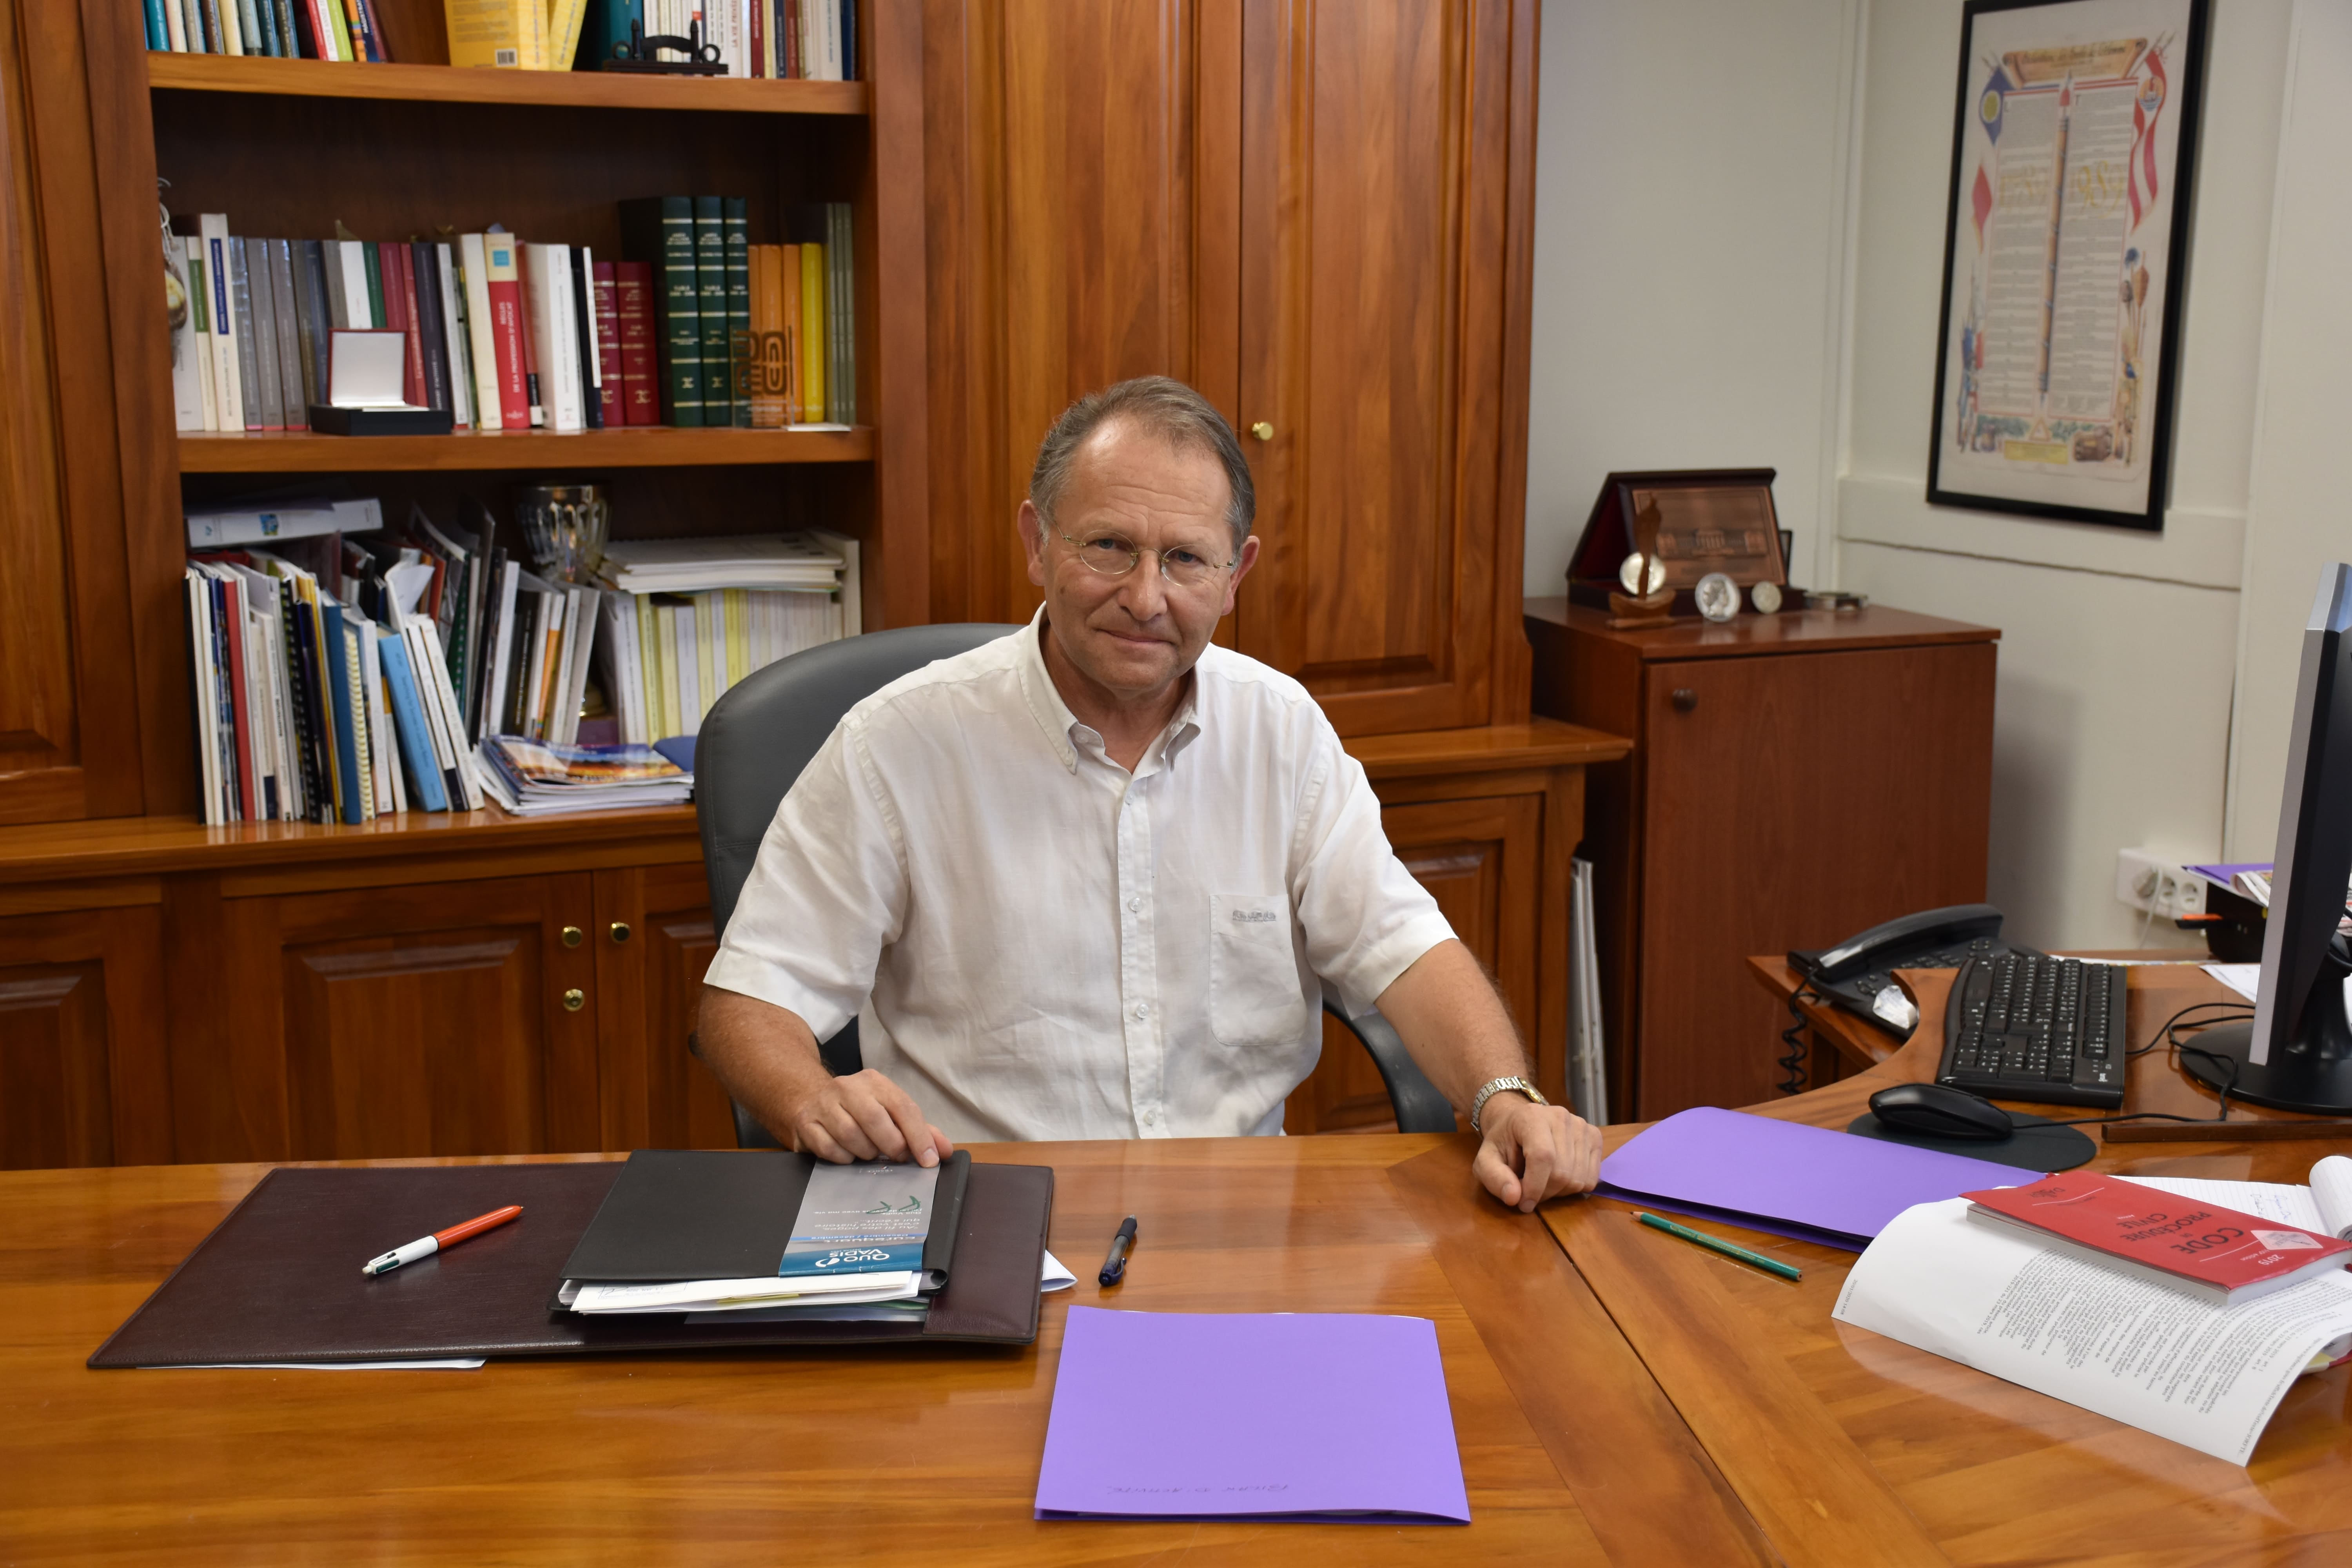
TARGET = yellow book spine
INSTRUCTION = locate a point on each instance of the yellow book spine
(505, 35)
(812, 333)
(705, 610)
(739, 639)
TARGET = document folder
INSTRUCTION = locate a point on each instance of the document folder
(278, 1279)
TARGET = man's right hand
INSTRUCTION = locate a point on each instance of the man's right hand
(768, 1059)
(862, 1117)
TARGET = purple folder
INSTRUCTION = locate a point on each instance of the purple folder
(1786, 1178)
(1326, 1416)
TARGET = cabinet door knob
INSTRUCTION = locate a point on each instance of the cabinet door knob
(573, 936)
(1262, 430)
(620, 931)
(1685, 699)
(574, 999)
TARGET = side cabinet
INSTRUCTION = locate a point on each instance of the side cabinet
(654, 940)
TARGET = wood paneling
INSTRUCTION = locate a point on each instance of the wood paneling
(83, 1079)
(1378, 177)
(418, 1020)
(68, 712)
(1068, 207)
(1777, 810)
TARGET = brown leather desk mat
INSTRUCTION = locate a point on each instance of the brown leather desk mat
(279, 1280)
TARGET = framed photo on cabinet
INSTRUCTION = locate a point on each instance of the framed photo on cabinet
(2072, 149)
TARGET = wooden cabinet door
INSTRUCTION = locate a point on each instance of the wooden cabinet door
(83, 1075)
(1387, 160)
(1790, 802)
(445, 1018)
(654, 939)
(1481, 860)
(69, 644)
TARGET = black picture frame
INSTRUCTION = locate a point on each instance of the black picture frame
(2160, 394)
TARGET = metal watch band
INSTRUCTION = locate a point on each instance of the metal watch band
(1496, 1085)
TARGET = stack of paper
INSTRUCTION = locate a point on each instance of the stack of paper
(697, 565)
(534, 778)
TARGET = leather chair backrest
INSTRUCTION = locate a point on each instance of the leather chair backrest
(758, 737)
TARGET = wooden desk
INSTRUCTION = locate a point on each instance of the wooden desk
(1567, 1447)
(1849, 1449)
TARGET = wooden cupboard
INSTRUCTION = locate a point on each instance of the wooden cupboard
(1794, 779)
(1319, 215)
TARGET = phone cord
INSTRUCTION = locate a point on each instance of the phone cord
(1792, 1063)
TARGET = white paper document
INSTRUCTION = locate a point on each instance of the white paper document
(2143, 1354)
(772, 1290)
(2324, 1207)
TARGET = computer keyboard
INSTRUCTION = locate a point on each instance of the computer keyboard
(2023, 1025)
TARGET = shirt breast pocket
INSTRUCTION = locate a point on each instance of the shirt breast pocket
(1254, 995)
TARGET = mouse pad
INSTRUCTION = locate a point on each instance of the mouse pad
(2039, 1144)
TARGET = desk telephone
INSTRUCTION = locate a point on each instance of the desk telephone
(1858, 974)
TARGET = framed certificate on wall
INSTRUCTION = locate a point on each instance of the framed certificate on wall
(2073, 148)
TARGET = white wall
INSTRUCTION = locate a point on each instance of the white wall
(2300, 510)
(2112, 723)
(1691, 185)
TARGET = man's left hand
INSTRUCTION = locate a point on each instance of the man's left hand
(1536, 1152)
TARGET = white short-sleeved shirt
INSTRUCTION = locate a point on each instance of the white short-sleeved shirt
(1037, 943)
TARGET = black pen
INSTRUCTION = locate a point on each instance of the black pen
(1114, 1267)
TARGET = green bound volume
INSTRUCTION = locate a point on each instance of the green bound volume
(660, 230)
(710, 268)
(735, 223)
(841, 383)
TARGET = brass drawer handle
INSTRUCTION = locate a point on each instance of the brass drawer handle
(574, 999)
(621, 930)
(1262, 430)
(573, 936)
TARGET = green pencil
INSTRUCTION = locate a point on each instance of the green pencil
(1771, 1265)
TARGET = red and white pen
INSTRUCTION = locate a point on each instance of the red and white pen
(439, 1239)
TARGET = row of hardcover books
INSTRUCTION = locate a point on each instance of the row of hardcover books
(806, 40)
(707, 329)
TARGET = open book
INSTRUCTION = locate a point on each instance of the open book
(2324, 1207)
(2141, 1352)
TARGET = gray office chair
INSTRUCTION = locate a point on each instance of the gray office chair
(761, 734)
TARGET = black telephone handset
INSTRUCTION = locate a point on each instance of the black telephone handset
(1853, 974)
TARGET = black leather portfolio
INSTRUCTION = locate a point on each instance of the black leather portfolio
(279, 1280)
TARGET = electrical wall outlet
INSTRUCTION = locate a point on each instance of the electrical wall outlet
(2156, 886)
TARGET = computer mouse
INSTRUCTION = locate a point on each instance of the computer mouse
(1939, 1111)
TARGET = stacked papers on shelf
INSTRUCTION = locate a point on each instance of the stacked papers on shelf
(698, 565)
(535, 778)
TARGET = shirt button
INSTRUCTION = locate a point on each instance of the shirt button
(1135, 904)
(1143, 1010)
(1149, 1116)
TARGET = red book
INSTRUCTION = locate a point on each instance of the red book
(792, 40)
(608, 345)
(231, 600)
(2220, 1254)
(758, 42)
(400, 316)
(633, 285)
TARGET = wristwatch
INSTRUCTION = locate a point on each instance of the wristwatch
(1494, 1087)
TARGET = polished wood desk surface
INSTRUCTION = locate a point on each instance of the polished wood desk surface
(807, 1455)
(1849, 1449)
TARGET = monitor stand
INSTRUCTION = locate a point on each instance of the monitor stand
(2314, 1073)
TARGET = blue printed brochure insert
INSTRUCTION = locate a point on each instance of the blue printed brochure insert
(862, 1220)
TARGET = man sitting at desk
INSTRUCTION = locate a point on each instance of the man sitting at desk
(1091, 879)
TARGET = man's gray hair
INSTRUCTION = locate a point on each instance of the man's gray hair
(1165, 408)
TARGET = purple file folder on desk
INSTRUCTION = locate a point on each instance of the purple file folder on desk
(1334, 1418)
(1786, 1178)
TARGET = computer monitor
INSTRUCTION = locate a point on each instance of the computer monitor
(2296, 1054)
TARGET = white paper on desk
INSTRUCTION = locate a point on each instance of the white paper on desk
(2139, 1352)
(2245, 979)
(1057, 1277)
(766, 1291)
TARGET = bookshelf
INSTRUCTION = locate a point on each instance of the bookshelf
(637, 447)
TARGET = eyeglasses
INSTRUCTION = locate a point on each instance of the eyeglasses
(1114, 556)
